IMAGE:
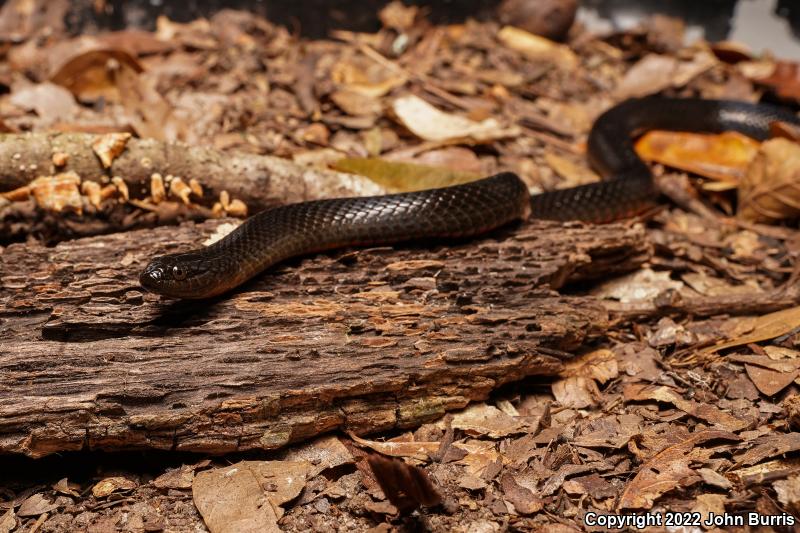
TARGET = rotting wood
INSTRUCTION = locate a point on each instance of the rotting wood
(365, 340)
(259, 181)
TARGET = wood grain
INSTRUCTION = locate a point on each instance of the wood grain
(365, 340)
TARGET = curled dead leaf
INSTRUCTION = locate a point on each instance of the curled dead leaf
(112, 484)
(721, 157)
(770, 191)
(429, 123)
(654, 73)
(537, 47)
(90, 74)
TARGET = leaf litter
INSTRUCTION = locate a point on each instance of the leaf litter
(690, 404)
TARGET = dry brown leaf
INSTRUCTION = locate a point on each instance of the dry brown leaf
(480, 456)
(455, 158)
(592, 485)
(578, 388)
(523, 499)
(572, 173)
(429, 123)
(778, 365)
(420, 451)
(709, 505)
(775, 469)
(538, 48)
(356, 103)
(770, 191)
(668, 470)
(35, 505)
(654, 73)
(176, 478)
(324, 452)
(721, 157)
(788, 492)
(784, 80)
(246, 497)
(8, 522)
(90, 74)
(779, 352)
(62, 486)
(149, 113)
(50, 101)
(106, 486)
(610, 432)
(362, 74)
(641, 285)
(651, 74)
(714, 478)
(576, 392)
(769, 446)
(710, 286)
(770, 382)
(486, 420)
(764, 328)
(709, 413)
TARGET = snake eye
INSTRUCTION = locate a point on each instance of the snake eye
(178, 273)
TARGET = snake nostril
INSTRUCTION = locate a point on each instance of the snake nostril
(150, 277)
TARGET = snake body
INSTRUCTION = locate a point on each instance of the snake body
(458, 211)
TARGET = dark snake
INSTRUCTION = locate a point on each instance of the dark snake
(461, 210)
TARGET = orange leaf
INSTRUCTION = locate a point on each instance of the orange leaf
(784, 80)
(723, 157)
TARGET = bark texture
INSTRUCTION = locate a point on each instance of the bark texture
(259, 181)
(365, 340)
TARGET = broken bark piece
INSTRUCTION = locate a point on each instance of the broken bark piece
(365, 340)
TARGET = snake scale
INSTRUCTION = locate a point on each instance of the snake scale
(461, 210)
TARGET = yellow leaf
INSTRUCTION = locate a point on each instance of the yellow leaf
(403, 176)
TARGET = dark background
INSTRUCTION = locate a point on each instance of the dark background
(775, 24)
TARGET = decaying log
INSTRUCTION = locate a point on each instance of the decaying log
(259, 181)
(366, 340)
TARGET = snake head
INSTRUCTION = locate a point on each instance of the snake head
(176, 276)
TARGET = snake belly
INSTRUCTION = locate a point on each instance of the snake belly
(458, 211)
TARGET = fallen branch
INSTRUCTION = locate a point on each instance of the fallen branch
(257, 180)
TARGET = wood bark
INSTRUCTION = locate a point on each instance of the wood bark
(364, 340)
(260, 181)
